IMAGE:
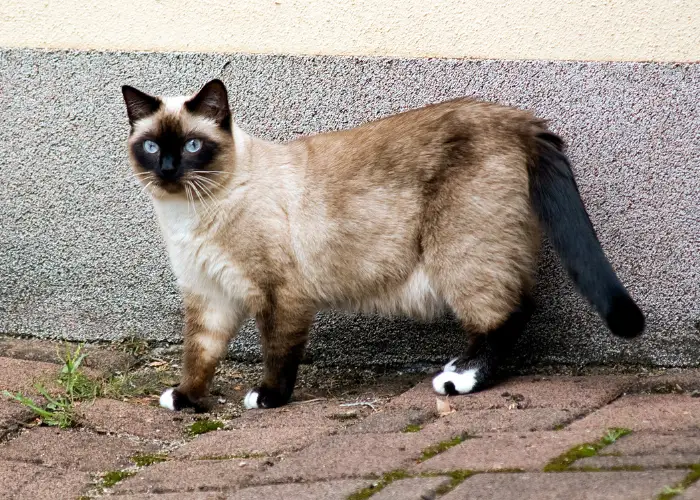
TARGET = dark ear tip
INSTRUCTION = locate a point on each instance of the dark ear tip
(129, 91)
(216, 83)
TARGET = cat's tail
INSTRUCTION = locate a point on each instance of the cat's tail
(557, 202)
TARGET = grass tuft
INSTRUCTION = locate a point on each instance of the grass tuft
(613, 435)
(585, 450)
(144, 459)
(237, 456)
(59, 410)
(135, 346)
(672, 491)
(112, 478)
(436, 449)
(204, 426)
(456, 477)
(382, 483)
(412, 428)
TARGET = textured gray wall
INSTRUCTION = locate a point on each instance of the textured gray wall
(81, 256)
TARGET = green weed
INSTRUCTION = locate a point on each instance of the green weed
(672, 491)
(412, 428)
(112, 478)
(59, 410)
(144, 459)
(585, 450)
(204, 426)
(436, 449)
(382, 483)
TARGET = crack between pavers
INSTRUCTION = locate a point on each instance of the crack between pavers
(563, 462)
(635, 387)
(670, 492)
(584, 414)
(456, 476)
(15, 432)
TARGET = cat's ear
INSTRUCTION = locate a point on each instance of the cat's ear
(212, 102)
(139, 105)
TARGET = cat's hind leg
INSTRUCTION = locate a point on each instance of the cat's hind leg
(479, 367)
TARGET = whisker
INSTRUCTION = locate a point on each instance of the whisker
(209, 193)
(190, 199)
(210, 182)
(144, 189)
(195, 190)
(211, 202)
(201, 198)
(212, 172)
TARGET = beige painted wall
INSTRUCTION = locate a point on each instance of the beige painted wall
(634, 30)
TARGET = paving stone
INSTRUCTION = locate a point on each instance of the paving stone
(98, 358)
(199, 475)
(211, 495)
(108, 415)
(17, 375)
(569, 485)
(663, 412)
(330, 490)
(666, 461)
(23, 481)
(669, 380)
(501, 420)
(648, 450)
(656, 443)
(266, 441)
(12, 416)
(317, 415)
(391, 421)
(577, 395)
(530, 451)
(73, 449)
(346, 456)
(416, 488)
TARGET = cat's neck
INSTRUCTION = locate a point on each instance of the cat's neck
(260, 179)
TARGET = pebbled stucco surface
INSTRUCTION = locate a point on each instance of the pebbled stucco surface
(81, 256)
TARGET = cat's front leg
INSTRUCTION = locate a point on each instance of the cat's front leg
(284, 329)
(209, 326)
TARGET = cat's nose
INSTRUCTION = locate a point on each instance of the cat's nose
(169, 169)
(168, 165)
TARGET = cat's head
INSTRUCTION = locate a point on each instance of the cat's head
(180, 145)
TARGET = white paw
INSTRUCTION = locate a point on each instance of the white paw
(166, 400)
(251, 400)
(464, 381)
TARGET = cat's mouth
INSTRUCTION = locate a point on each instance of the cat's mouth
(171, 187)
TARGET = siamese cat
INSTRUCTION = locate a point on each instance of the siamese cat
(432, 210)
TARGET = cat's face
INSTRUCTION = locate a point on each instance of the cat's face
(180, 145)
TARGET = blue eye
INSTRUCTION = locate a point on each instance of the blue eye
(193, 145)
(150, 147)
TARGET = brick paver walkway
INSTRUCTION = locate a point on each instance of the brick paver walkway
(556, 437)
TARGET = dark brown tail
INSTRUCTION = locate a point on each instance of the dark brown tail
(557, 202)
